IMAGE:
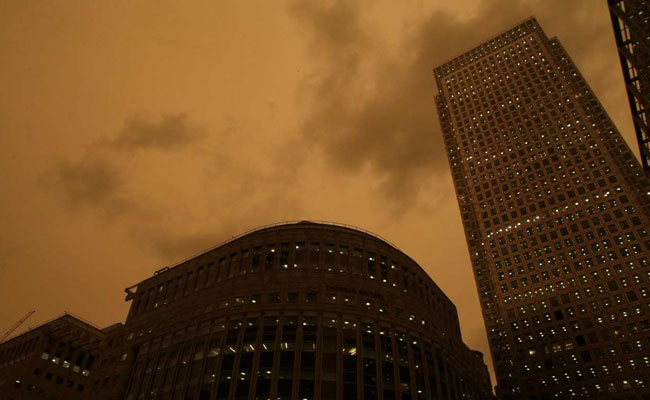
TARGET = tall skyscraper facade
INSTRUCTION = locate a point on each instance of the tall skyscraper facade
(631, 21)
(556, 214)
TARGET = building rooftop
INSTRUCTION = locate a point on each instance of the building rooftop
(466, 57)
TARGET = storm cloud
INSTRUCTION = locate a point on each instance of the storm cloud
(132, 177)
(90, 182)
(171, 132)
(98, 181)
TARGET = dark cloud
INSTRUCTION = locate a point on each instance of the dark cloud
(336, 28)
(188, 209)
(90, 182)
(371, 108)
(169, 133)
(99, 180)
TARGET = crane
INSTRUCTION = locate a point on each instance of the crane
(16, 325)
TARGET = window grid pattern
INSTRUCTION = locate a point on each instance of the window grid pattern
(303, 356)
(286, 257)
(555, 210)
(302, 311)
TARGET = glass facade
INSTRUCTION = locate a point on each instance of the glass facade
(317, 356)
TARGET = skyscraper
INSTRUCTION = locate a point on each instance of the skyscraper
(556, 211)
(631, 21)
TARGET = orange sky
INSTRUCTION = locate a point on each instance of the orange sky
(134, 134)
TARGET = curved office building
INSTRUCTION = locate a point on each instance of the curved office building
(293, 311)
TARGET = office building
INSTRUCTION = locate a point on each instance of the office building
(54, 360)
(292, 311)
(555, 209)
(631, 22)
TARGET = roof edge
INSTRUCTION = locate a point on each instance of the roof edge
(275, 225)
(485, 41)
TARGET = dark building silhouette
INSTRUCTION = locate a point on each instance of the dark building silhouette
(555, 209)
(292, 311)
(631, 21)
(53, 360)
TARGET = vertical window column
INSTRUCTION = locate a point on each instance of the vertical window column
(329, 372)
(196, 368)
(230, 351)
(404, 366)
(210, 372)
(147, 379)
(136, 380)
(314, 255)
(349, 354)
(284, 255)
(344, 258)
(165, 392)
(245, 369)
(269, 261)
(387, 363)
(287, 357)
(186, 355)
(189, 283)
(256, 260)
(266, 358)
(369, 362)
(158, 373)
(432, 378)
(418, 368)
(308, 357)
(299, 255)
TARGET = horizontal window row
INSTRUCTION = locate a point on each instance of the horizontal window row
(276, 356)
(43, 392)
(68, 357)
(370, 304)
(314, 255)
